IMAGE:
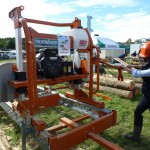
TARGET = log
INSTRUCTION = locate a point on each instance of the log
(127, 80)
(115, 91)
(136, 80)
(138, 85)
(114, 82)
(136, 91)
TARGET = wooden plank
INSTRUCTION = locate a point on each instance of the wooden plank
(61, 126)
(69, 123)
(121, 61)
(4, 144)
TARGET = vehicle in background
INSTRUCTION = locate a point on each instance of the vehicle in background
(4, 55)
(12, 54)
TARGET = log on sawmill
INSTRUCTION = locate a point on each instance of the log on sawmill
(114, 82)
(115, 91)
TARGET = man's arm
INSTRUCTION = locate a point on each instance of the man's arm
(138, 73)
(141, 73)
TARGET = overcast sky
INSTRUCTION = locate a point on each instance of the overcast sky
(115, 19)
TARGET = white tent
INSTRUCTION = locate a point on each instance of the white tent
(135, 47)
(109, 48)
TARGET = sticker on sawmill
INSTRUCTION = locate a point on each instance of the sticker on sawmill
(45, 43)
(63, 45)
(82, 42)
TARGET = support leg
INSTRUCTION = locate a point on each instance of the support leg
(23, 132)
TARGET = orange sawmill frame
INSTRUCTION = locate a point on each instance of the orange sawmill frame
(33, 103)
(30, 34)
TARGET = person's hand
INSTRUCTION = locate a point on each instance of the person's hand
(127, 66)
(129, 70)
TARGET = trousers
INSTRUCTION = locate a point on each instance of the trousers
(143, 105)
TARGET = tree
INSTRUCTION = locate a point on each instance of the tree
(9, 43)
(129, 41)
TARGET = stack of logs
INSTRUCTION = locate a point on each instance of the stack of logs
(127, 88)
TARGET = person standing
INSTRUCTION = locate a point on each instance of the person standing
(134, 54)
(144, 104)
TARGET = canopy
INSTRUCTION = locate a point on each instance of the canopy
(109, 48)
(107, 43)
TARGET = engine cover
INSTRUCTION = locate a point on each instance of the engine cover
(51, 67)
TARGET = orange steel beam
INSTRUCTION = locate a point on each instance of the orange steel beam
(16, 84)
(44, 102)
(16, 13)
(103, 96)
(31, 68)
(48, 101)
(39, 125)
(105, 143)
(91, 45)
(74, 24)
(80, 134)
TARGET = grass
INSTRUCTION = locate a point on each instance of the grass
(7, 60)
(124, 107)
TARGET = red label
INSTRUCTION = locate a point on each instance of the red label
(82, 43)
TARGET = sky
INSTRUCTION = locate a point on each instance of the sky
(118, 20)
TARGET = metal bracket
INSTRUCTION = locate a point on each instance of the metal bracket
(12, 114)
(83, 107)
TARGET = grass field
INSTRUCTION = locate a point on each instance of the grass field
(124, 107)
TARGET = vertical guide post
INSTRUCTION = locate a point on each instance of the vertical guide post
(15, 14)
(19, 56)
(18, 42)
(89, 18)
(19, 62)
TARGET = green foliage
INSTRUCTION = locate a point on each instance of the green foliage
(9, 43)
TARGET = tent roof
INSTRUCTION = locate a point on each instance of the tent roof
(107, 43)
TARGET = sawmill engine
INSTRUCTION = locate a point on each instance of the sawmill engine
(55, 59)
(50, 65)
